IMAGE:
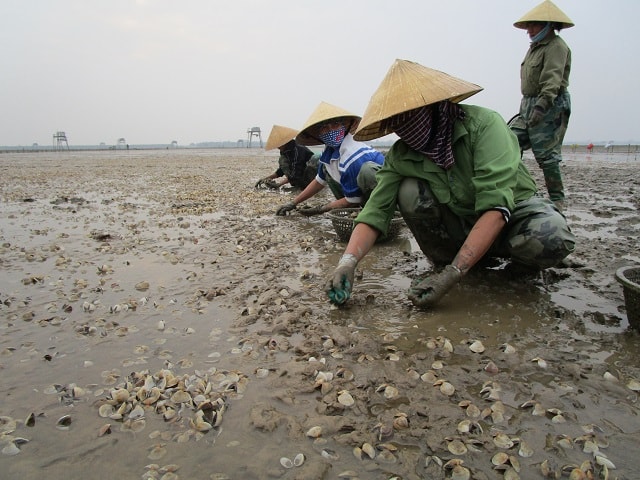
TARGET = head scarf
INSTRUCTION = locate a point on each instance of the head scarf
(333, 138)
(429, 130)
(542, 33)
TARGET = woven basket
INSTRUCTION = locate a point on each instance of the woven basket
(629, 277)
(342, 220)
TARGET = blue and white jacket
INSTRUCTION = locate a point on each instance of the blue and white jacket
(343, 165)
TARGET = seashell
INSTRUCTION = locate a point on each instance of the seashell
(262, 372)
(604, 461)
(391, 392)
(413, 374)
(460, 473)
(393, 357)
(180, 396)
(634, 385)
(368, 449)
(610, 377)
(590, 447)
(457, 447)
(64, 422)
(298, 460)
(437, 365)
(161, 325)
(142, 286)
(120, 394)
(476, 347)
(515, 463)
(447, 346)
(105, 410)
(329, 454)
(433, 458)
(473, 411)
(314, 432)
(401, 421)
(502, 440)
(500, 458)
(345, 398)
(447, 389)
(10, 449)
(30, 420)
(508, 348)
(157, 451)
(510, 474)
(541, 362)
(104, 430)
(491, 367)
(136, 412)
(429, 377)
(577, 474)
(351, 474)
(524, 450)
(386, 456)
(286, 462)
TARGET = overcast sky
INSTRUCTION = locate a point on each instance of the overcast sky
(154, 71)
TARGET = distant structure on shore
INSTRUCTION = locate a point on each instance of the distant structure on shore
(60, 141)
(251, 132)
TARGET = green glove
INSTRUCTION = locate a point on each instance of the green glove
(536, 116)
(310, 211)
(429, 291)
(287, 207)
(339, 286)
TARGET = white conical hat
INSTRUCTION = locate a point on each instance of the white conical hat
(409, 85)
(324, 111)
(547, 11)
(280, 136)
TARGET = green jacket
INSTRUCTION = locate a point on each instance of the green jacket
(544, 72)
(487, 173)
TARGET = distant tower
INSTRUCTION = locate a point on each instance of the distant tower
(60, 141)
(251, 132)
(122, 142)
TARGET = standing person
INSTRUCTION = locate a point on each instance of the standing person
(546, 104)
(459, 183)
(297, 164)
(348, 167)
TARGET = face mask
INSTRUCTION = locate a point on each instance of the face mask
(333, 138)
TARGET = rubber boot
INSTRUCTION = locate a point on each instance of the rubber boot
(553, 181)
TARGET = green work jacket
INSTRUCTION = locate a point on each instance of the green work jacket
(544, 72)
(487, 173)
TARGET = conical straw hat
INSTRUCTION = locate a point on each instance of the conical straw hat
(407, 86)
(280, 136)
(547, 11)
(324, 111)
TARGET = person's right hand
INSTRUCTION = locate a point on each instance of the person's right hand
(339, 286)
(287, 207)
(270, 183)
(261, 182)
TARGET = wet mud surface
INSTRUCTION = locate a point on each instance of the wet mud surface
(157, 320)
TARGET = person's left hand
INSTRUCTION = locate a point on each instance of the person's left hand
(429, 291)
(536, 116)
(272, 184)
(310, 211)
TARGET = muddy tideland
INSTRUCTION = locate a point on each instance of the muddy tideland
(159, 321)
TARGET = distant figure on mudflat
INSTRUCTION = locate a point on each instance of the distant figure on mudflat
(546, 104)
(297, 164)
